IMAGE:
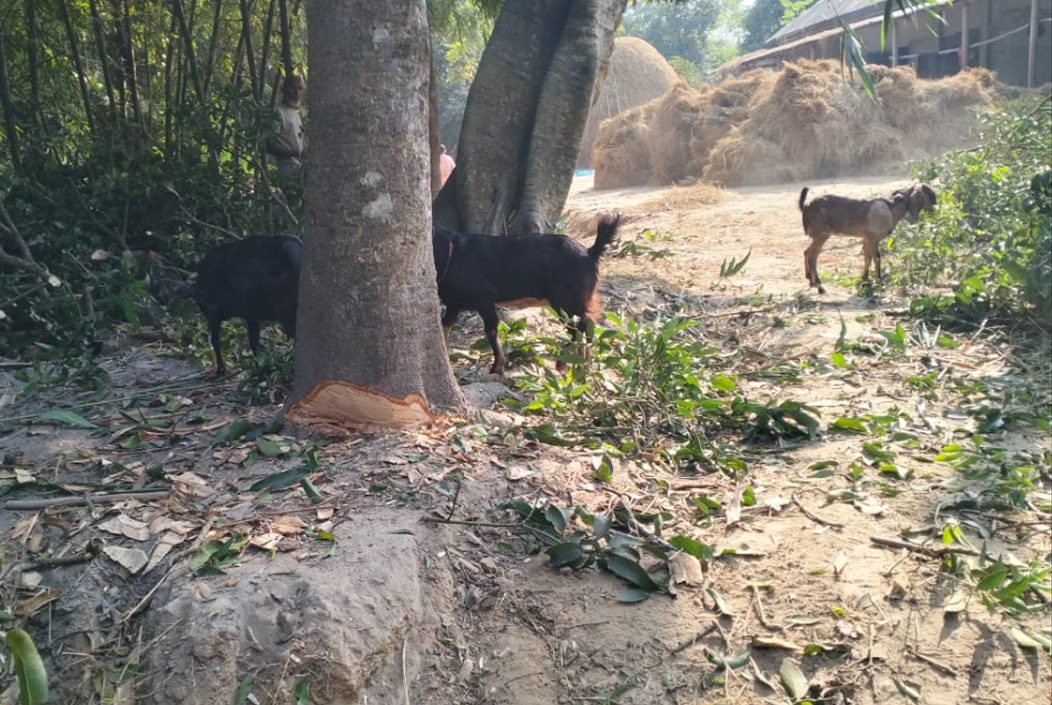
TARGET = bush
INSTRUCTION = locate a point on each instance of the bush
(991, 235)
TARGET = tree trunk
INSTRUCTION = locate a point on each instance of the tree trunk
(368, 304)
(525, 115)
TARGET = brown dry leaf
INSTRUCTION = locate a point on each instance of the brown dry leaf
(24, 528)
(163, 522)
(124, 525)
(30, 606)
(519, 472)
(234, 457)
(686, 569)
(413, 476)
(268, 541)
(23, 476)
(325, 513)
(164, 546)
(37, 542)
(190, 486)
(839, 564)
(131, 559)
(764, 642)
(290, 525)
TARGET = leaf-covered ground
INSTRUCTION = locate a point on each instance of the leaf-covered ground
(886, 540)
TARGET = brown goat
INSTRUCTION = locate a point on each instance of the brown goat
(872, 220)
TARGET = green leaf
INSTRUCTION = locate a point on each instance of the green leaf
(721, 605)
(631, 571)
(234, 430)
(793, 679)
(301, 693)
(849, 423)
(723, 382)
(268, 448)
(67, 417)
(563, 554)
(29, 667)
(692, 547)
(311, 490)
(281, 480)
(1024, 640)
(838, 359)
(243, 691)
(601, 525)
(907, 690)
(632, 595)
(555, 516)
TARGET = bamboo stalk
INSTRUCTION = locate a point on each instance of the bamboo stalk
(10, 124)
(74, 54)
(246, 34)
(268, 30)
(104, 60)
(33, 58)
(128, 49)
(188, 45)
(213, 45)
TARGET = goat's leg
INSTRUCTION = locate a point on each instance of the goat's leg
(817, 243)
(253, 335)
(876, 257)
(489, 323)
(448, 319)
(867, 253)
(215, 326)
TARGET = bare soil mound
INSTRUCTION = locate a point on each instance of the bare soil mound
(805, 121)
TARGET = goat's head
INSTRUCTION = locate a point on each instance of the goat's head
(900, 203)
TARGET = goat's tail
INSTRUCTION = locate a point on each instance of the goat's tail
(604, 235)
(803, 197)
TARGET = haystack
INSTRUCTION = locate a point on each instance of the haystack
(805, 121)
(637, 73)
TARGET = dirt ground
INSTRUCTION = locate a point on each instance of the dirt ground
(405, 583)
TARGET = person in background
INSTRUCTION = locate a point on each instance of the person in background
(445, 164)
(286, 143)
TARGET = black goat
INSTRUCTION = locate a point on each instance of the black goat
(481, 272)
(256, 279)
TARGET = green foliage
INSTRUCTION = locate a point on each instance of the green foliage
(674, 29)
(29, 668)
(991, 233)
(686, 69)
(109, 177)
(762, 20)
(646, 391)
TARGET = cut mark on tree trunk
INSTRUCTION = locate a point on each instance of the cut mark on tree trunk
(335, 406)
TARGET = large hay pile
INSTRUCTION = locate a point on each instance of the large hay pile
(637, 73)
(804, 121)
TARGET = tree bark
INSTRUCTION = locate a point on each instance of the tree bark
(525, 115)
(368, 304)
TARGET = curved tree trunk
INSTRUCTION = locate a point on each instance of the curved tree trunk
(368, 304)
(525, 115)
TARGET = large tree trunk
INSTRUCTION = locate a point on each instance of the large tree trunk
(525, 115)
(368, 304)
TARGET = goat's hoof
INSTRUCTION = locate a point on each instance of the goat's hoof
(821, 289)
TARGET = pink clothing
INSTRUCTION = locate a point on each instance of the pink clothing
(445, 166)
